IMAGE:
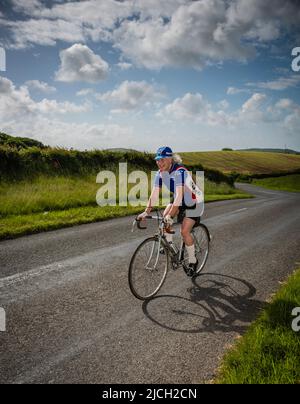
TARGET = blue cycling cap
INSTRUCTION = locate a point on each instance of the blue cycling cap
(163, 152)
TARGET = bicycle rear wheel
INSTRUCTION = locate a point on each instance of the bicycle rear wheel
(148, 268)
(201, 240)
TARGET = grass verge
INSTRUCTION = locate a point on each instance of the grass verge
(289, 183)
(19, 225)
(269, 353)
(48, 203)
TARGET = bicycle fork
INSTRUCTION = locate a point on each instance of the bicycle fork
(151, 255)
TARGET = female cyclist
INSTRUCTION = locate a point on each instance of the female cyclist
(187, 200)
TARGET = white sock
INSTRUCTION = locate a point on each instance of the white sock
(191, 253)
(169, 237)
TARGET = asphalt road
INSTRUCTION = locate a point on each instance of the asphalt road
(72, 319)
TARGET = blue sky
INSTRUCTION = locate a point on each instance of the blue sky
(196, 75)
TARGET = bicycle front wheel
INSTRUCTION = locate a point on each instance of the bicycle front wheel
(148, 268)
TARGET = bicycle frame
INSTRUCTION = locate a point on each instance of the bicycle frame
(177, 255)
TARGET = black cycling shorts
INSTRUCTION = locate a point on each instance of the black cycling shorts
(184, 212)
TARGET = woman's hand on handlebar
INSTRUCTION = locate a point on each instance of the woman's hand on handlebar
(142, 216)
(168, 220)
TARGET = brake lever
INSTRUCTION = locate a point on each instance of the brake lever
(133, 225)
(138, 222)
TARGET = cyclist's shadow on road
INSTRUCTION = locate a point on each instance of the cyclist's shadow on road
(215, 302)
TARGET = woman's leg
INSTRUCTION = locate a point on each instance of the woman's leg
(169, 236)
(186, 229)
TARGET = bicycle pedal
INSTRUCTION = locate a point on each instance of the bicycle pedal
(175, 266)
(189, 271)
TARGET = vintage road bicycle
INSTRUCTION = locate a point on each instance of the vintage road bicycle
(152, 259)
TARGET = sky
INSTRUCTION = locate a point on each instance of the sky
(196, 75)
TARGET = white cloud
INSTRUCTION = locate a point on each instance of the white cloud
(156, 8)
(264, 30)
(193, 107)
(81, 136)
(131, 95)
(27, 7)
(292, 122)
(162, 33)
(52, 106)
(16, 103)
(80, 63)
(207, 30)
(224, 104)
(282, 83)
(99, 14)
(189, 106)
(92, 13)
(282, 70)
(183, 41)
(6, 86)
(234, 91)
(40, 86)
(84, 92)
(20, 115)
(253, 104)
(69, 21)
(43, 32)
(284, 103)
(288, 112)
(124, 65)
(252, 112)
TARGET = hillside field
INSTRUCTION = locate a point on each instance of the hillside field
(244, 162)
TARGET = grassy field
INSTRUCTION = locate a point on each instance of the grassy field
(269, 353)
(286, 183)
(47, 203)
(244, 162)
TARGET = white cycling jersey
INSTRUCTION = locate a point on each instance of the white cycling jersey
(180, 176)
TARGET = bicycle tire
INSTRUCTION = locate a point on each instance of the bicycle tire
(201, 229)
(138, 266)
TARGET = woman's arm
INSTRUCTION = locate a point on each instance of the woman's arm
(177, 201)
(153, 199)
